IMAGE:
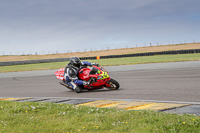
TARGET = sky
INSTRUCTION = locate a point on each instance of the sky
(49, 26)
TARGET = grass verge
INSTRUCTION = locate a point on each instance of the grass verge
(50, 117)
(106, 62)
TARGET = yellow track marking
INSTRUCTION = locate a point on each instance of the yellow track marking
(128, 105)
(159, 106)
(6, 99)
(13, 99)
(137, 106)
(100, 103)
(133, 105)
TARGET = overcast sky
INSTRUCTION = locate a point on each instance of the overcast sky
(29, 26)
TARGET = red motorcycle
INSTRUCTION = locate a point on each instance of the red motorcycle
(98, 78)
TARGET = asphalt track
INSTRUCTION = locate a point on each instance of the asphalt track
(178, 81)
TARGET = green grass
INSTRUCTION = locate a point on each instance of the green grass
(41, 117)
(106, 62)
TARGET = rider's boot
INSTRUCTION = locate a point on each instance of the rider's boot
(78, 89)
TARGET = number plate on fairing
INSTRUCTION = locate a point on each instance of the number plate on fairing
(105, 75)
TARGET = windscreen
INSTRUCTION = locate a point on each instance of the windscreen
(94, 70)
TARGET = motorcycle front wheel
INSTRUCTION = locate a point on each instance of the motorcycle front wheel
(114, 85)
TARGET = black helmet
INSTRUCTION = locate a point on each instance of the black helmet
(75, 61)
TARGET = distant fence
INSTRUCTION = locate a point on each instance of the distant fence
(145, 54)
(10, 63)
(101, 57)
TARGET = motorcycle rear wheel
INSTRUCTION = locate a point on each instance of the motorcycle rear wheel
(114, 85)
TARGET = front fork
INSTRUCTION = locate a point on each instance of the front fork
(107, 83)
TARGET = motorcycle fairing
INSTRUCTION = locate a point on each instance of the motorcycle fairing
(100, 75)
(60, 74)
(104, 75)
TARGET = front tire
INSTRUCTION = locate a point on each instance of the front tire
(114, 85)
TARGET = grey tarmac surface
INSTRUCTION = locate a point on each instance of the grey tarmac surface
(178, 81)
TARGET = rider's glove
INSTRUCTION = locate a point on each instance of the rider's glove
(95, 64)
(86, 83)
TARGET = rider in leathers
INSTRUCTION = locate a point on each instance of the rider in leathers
(71, 73)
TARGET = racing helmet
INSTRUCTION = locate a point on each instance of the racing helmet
(75, 61)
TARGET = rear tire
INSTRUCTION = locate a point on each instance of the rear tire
(114, 85)
(78, 89)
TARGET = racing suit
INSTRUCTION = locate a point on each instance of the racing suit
(71, 75)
